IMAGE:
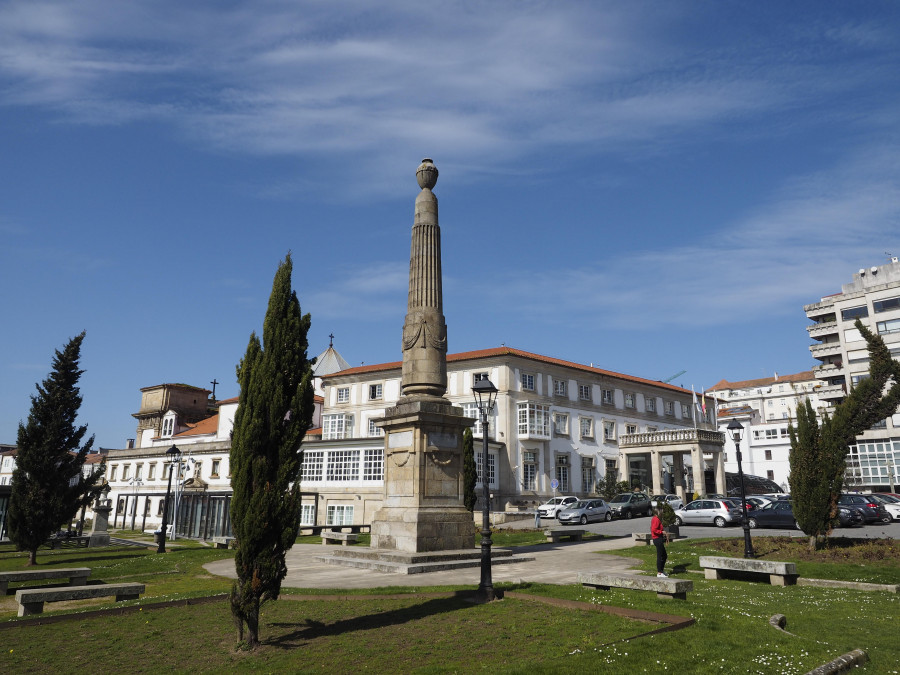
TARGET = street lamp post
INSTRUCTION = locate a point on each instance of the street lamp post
(485, 396)
(174, 455)
(135, 483)
(737, 430)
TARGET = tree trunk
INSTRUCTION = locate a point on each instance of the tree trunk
(812, 543)
(32, 558)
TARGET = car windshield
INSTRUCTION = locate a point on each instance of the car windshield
(622, 498)
(555, 500)
(579, 505)
(888, 499)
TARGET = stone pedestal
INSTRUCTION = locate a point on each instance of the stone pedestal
(423, 487)
(99, 534)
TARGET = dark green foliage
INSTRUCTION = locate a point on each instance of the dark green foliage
(819, 452)
(470, 473)
(47, 485)
(273, 415)
(611, 487)
(667, 514)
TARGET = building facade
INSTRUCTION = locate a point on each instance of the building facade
(873, 297)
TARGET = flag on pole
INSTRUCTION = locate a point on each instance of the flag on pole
(694, 407)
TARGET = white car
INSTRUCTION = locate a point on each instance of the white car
(552, 508)
(672, 500)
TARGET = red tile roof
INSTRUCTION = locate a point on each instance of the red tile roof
(509, 351)
(805, 376)
(202, 428)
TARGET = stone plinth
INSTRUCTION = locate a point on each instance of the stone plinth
(423, 490)
(99, 535)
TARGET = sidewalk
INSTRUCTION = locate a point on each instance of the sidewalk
(553, 563)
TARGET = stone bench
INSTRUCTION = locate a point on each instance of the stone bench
(32, 601)
(663, 587)
(779, 573)
(222, 542)
(556, 535)
(77, 576)
(345, 538)
(642, 537)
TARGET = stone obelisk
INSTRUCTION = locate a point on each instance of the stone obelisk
(423, 487)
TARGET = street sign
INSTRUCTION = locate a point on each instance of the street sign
(554, 484)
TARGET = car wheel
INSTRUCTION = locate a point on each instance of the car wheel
(584, 520)
(720, 521)
(678, 521)
(649, 512)
(751, 522)
(628, 515)
(886, 519)
(607, 517)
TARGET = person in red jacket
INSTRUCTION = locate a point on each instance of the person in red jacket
(659, 537)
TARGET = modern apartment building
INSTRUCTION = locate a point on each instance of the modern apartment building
(873, 297)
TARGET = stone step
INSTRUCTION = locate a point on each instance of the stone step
(389, 566)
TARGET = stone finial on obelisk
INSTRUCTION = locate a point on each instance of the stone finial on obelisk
(424, 374)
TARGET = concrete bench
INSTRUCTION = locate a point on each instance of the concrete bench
(642, 537)
(344, 537)
(779, 573)
(77, 576)
(664, 587)
(32, 601)
(557, 534)
(222, 542)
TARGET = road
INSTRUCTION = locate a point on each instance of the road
(642, 524)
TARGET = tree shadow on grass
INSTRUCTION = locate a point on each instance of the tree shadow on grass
(312, 630)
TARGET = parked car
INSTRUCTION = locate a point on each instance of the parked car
(759, 501)
(736, 501)
(630, 504)
(777, 514)
(869, 509)
(584, 512)
(890, 504)
(849, 517)
(718, 512)
(552, 508)
(672, 500)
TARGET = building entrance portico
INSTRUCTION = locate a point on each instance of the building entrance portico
(636, 448)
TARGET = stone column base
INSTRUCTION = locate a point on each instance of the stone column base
(423, 529)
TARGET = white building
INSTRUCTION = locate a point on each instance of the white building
(765, 407)
(873, 296)
(555, 420)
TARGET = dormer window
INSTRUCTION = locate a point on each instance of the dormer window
(168, 425)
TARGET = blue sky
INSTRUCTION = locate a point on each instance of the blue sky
(651, 187)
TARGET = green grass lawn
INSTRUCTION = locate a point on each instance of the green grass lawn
(415, 633)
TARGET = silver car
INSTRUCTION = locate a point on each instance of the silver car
(672, 500)
(584, 512)
(718, 512)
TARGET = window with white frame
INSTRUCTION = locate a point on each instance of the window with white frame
(126, 471)
(375, 392)
(342, 465)
(669, 407)
(609, 431)
(588, 475)
(343, 395)
(562, 472)
(373, 464)
(313, 463)
(478, 377)
(586, 424)
(492, 474)
(471, 410)
(685, 411)
(339, 514)
(584, 392)
(560, 387)
(533, 419)
(529, 470)
(374, 429)
(139, 472)
(307, 514)
(561, 424)
(151, 471)
(527, 382)
(629, 400)
(337, 426)
(112, 472)
(216, 465)
(606, 396)
(631, 428)
(610, 467)
(769, 455)
(650, 402)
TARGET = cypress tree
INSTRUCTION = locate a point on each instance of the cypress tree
(470, 473)
(274, 413)
(48, 487)
(819, 452)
